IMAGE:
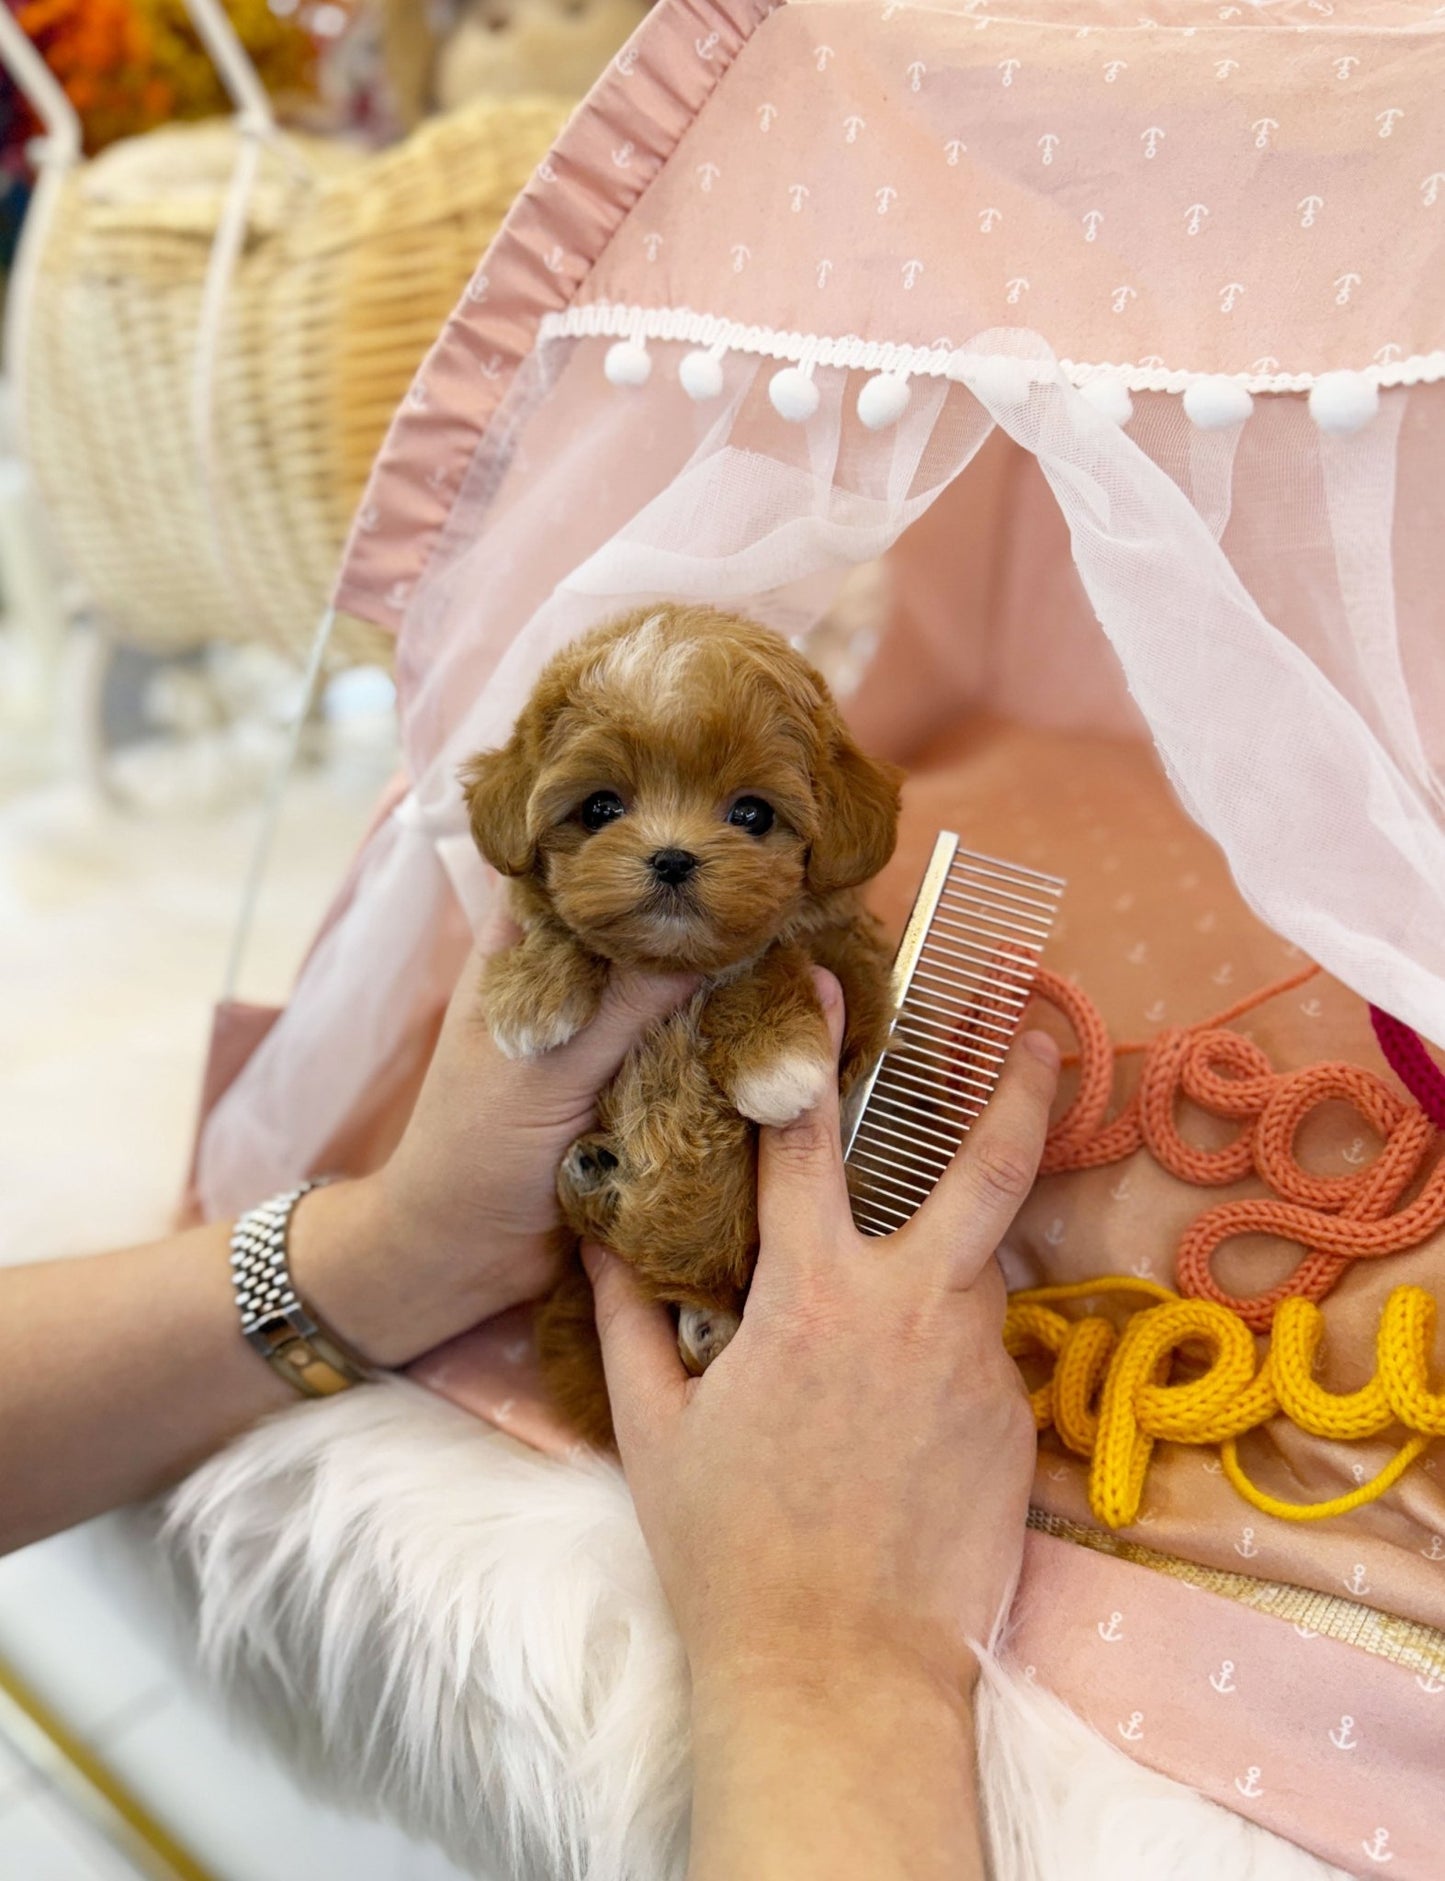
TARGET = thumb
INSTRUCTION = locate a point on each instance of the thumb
(639, 1344)
(800, 1166)
(631, 1004)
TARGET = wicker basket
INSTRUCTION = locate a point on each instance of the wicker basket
(350, 265)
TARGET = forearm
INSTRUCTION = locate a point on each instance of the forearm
(849, 1777)
(121, 1371)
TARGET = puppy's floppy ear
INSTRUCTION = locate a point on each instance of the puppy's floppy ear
(857, 813)
(498, 785)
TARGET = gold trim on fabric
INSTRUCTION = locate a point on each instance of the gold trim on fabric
(73, 1771)
(1408, 1643)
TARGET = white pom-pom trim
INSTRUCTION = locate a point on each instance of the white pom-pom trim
(883, 400)
(1216, 402)
(1109, 396)
(794, 395)
(628, 362)
(701, 375)
(1343, 402)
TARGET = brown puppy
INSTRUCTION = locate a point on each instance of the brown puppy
(680, 794)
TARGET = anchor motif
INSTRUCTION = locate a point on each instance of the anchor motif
(478, 288)
(1229, 296)
(1305, 1632)
(1121, 298)
(369, 520)
(1223, 67)
(798, 194)
(1388, 354)
(1120, 1190)
(1048, 144)
(1223, 1679)
(1137, 954)
(883, 197)
(1355, 1154)
(1428, 1682)
(1031, 1674)
(707, 175)
(1196, 215)
(825, 268)
(1377, 1847)
(1054, 1233)
(1436, 1550)
(1357, 1470)
(705, 48)
(626, 61)
(852, 126)
(624, 154)
(1309, 208)
(821, 56)
(1223, 974)
(1057, 1475)
(1113, 69)
(1248, 1785)
(1245, 1544)
(1356, 1583)
(1008, 67)
(766, 114)
(1345, 284)
(1262, 127)
(515, 1351)
(1091, 224)
(1131, 1731)
(911, 271)
(1212, 1466)
(546, 172)
(1114, 1630)
(953, 150)
(652, 244)
(1431, 187)
(1387, 120)
(503, 1411)
(1142, 1270)
(1151, 139)
(555, 259)
(916, 74)
(741, 255)
(988, 220)
(1267, 363)
(1346, 65)
(1017, 288)
(1342, 1736)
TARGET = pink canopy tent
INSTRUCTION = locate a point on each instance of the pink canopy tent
(1116, 340)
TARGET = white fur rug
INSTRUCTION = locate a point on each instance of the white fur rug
(444, 1627)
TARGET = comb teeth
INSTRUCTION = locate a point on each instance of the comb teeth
(962, 978)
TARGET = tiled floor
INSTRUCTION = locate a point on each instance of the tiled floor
(116, 928)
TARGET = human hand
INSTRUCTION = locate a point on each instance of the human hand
(462, 1221)
(847, 1483)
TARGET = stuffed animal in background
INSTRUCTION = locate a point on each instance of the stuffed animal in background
(439, 57)
(680, 794)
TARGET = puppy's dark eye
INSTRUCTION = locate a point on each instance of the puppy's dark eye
(751, 814)
(601, 808)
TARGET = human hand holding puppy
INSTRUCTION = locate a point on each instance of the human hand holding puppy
(836, 1509)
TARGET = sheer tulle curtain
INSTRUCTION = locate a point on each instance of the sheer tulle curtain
(1281, 693)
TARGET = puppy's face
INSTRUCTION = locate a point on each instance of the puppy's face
(678, 786)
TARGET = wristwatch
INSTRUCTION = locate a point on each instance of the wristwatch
(287, 1334)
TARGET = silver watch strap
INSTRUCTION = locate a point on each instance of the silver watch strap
(286, 1333)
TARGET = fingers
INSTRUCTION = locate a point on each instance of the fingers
(801, 1189)
(984, 1186)
(631, 1003)
(639, 1343)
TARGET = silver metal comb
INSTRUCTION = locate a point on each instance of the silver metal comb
(961, 979)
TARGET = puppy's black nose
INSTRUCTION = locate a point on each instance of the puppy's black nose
(672, 866)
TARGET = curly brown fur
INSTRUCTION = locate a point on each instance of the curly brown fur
(641, 757)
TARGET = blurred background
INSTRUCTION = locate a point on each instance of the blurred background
(228, 233)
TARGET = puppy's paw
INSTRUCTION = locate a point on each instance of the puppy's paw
(784, 1089)
(702, 1333)
(525, 1034)
(589, 1165)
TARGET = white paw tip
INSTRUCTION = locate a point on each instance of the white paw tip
(794, 395)
(883, 400)
(1109, 396)
(627, 363)
(1343, 402)
(785, 1090)
(1216, 402)
(701, 375)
